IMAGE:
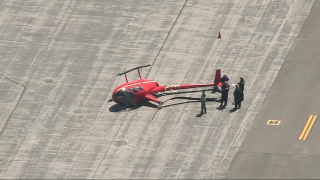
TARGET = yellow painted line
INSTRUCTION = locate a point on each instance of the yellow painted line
(274, 122)
(305, 127)
(312, 122)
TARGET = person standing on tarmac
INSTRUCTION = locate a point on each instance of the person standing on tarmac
(224, 93)
(224, 78)
(203, 103)
(241, 86)
(237, 97)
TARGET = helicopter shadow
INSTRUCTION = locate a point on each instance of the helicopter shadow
(197, 100)
(189, 98)
(122, 108)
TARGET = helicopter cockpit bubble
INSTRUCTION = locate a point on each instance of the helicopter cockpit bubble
(125, 97)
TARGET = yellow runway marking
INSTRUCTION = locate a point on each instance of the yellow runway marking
(274, 122)
(312, 122)
(304, 134)
(305, 127)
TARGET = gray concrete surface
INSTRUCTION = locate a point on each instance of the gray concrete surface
(67, 54)
(278, 152)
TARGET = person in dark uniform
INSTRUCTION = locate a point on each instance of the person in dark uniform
(224, 93)
(237, 97)
(203, 103)
(241, 86)
(224, 78)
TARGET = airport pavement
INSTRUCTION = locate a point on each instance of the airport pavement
(67, 54)
(291, 149)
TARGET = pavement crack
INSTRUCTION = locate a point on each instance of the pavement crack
(24, 89)
(137, 147)
(120, 143)
(124, 143)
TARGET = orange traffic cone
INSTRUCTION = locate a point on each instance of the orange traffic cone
(219, 36)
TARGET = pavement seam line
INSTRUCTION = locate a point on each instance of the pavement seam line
(238, 132)
(294, 42)
(165, 40)
(291, 154)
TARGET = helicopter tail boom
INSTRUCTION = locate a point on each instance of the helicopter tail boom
(182, 86)
(187, 86)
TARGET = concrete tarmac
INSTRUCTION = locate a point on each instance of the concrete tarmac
(59, 61)
(291, 149)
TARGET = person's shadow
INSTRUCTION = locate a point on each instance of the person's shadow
(188, 98)
(199, 115)
(221, 107)
(233, 110)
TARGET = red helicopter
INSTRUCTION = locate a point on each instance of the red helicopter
(134, 92)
